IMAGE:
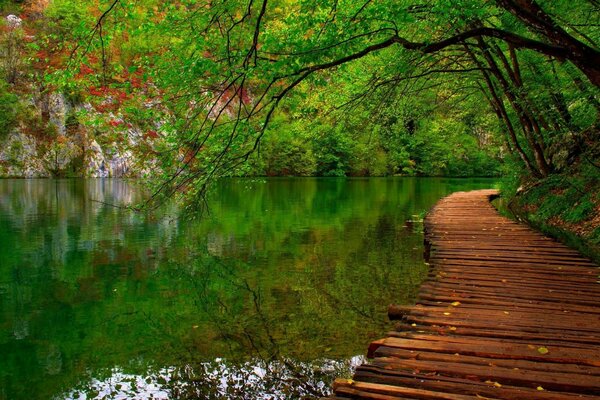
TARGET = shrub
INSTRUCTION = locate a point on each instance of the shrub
(8, 110)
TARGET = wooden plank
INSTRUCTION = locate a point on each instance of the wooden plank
(500, 297)
(356, 387)
(455, 336)
(480, 390)
(549, 380)
(507, 274)
(505, 313)
(588, 321)
(509, 292)
(491, 349)
(547, 337)
(491, 304)
(522, 365)
(486, 323)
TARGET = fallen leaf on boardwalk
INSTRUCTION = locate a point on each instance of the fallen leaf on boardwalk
(452, 328)
(540, 388)
(493, 383)
(456, 303)
(504, 280)
(446, 313)
(350, 381)
(542, 350)
(531, 346)
(506, 312)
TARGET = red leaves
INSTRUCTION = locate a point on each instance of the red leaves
(84, 70)
(235, 96)
(189, 157)
(101, 91)
(136, 82)
(42, 54)
(111, 98)
(151, 135)
(121, 95)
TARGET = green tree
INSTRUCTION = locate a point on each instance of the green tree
(9, 109)
(225, 69)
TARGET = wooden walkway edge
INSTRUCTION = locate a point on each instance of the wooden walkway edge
(505, 313)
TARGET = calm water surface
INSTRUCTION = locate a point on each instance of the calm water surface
(273, 295)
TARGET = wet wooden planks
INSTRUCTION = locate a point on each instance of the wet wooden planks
(505, 313)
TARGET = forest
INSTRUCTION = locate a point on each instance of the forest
(235, 190)
(191, 91)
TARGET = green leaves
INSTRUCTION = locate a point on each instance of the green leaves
(9, 109)
(218, 71)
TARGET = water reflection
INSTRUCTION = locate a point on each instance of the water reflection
(277, 380)
(273, 294)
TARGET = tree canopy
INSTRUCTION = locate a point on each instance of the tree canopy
(352, 77)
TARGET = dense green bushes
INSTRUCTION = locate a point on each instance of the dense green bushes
(563, 205)
(350, 146)
(8, 110)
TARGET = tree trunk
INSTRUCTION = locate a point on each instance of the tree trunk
(502, 114)
(586, 58)
(526, 123)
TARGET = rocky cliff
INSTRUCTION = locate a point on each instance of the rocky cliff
(73, 148)
(47, 133)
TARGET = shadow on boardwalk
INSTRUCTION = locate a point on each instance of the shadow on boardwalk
(505, 313)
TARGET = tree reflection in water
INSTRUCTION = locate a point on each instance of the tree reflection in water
(220, 379)
(271, 296)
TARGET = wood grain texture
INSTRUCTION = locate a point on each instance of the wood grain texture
(505, 313)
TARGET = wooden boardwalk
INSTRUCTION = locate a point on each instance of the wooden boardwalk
(505, 313)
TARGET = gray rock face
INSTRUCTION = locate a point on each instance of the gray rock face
(58, 109)
(19, 157)
(76, 149)
(13, 22)
(95, 163)
(120, 164)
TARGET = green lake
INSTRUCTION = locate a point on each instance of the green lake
(272, 295)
